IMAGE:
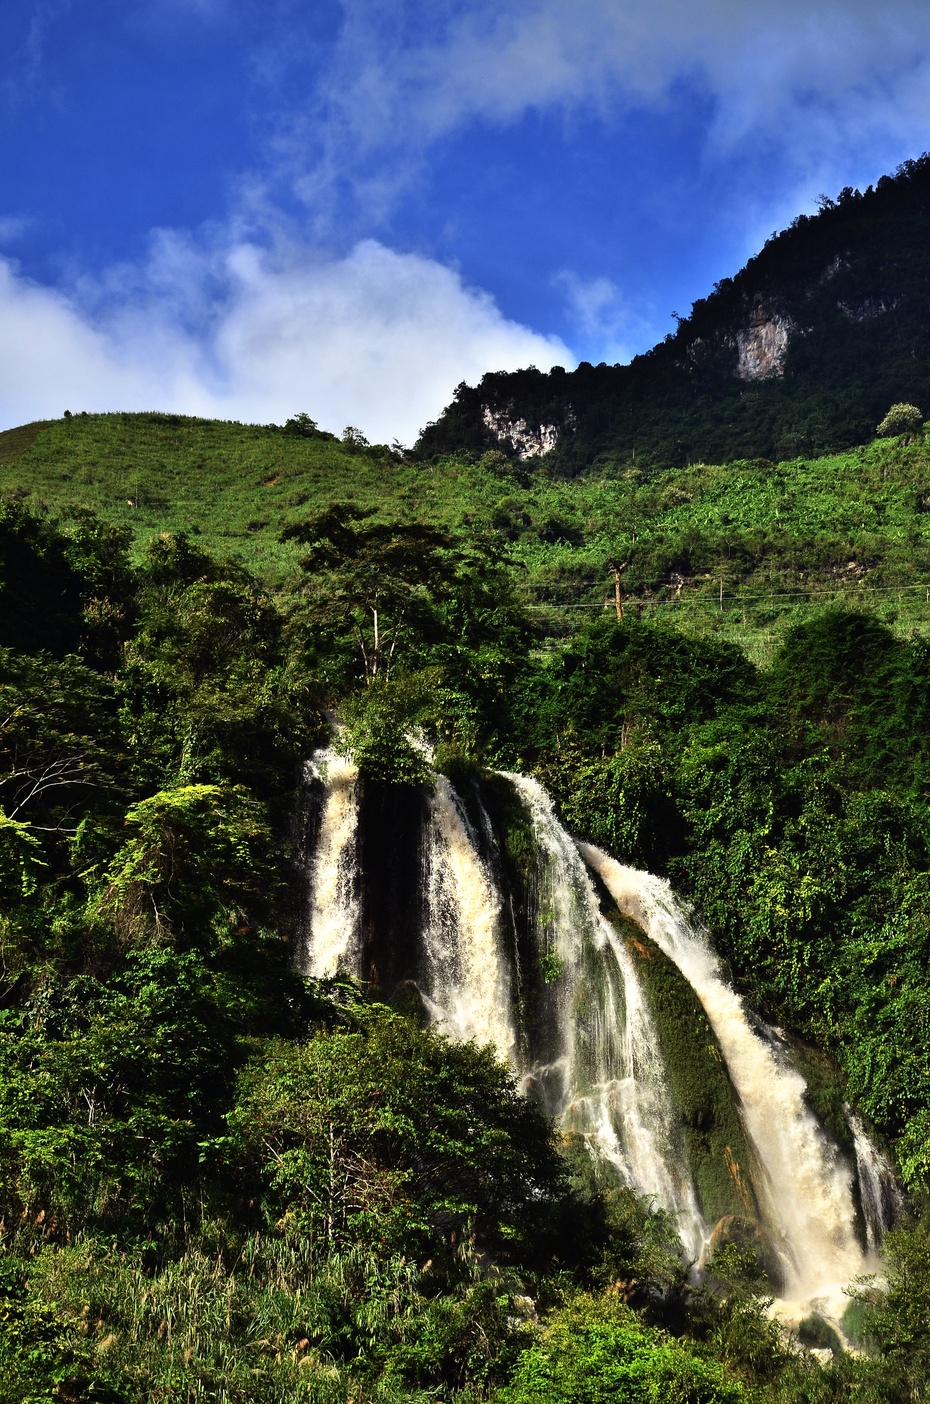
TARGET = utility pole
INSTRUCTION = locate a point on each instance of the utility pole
(618, 591)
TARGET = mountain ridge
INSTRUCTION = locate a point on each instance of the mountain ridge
(801, 352)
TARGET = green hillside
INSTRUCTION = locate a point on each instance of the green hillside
(741, 550)
(235, 485)
(219, 1180)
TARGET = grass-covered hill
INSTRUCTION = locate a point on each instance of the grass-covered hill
(740, 550)
(234, 485)
(801, 352)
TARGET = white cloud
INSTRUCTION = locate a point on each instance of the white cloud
(376, 338)
(829, 81)
(757, 55)
(595, 304)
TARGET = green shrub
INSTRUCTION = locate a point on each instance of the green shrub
(596, 1351)
(901, 419)
(390, 1134)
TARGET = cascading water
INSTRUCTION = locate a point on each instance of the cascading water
(586, 1040)
(613, 1084)
(881, 1199)
(467, 983)
(331, 937)
(807, 1190)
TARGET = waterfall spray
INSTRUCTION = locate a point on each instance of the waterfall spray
(468, 983)
(807, 1194)
(598, 1066)
(881, 1200)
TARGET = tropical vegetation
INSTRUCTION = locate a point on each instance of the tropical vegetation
(222, 1180)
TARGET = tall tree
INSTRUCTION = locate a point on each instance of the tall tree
(385, 579)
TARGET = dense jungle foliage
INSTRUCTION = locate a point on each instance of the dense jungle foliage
(222, 1181)
(848, 288)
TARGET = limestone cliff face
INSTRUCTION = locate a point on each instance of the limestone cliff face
(762, 345)
(800, 352)
(524, 439)
(865, 308)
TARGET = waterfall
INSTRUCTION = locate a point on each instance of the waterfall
(332, 929)
(881, 1200)
(589, 1048)
(611, 1084)
(807, 1194)
(467, 980)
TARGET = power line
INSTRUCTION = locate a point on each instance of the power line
(770, 595)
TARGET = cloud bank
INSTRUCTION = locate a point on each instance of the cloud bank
(376, 338)
(443, 63)
(830, 83)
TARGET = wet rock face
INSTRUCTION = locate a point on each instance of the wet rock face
(390, 862)
(762, 345)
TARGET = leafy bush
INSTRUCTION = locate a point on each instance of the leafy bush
(388, 1134)
(901, 419)
(597, 1350)
(200, 860)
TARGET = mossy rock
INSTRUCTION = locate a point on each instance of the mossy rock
(719, 1152)
(826, 1090)
(815, 1333)
(857, 1319)
(461, 770)
(513, 826)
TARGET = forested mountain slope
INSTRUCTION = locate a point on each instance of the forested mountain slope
(222, 1176)
(801, 352)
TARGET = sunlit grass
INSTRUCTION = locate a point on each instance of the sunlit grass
(739, 551)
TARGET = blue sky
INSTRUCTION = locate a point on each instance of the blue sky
(346, 206)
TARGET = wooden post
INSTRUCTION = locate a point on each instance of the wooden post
(618, 592)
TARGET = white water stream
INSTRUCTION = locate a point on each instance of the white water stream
(332, 935)
(807, 1193)
(468, 982)
(615, 1086)
(606, 1076)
